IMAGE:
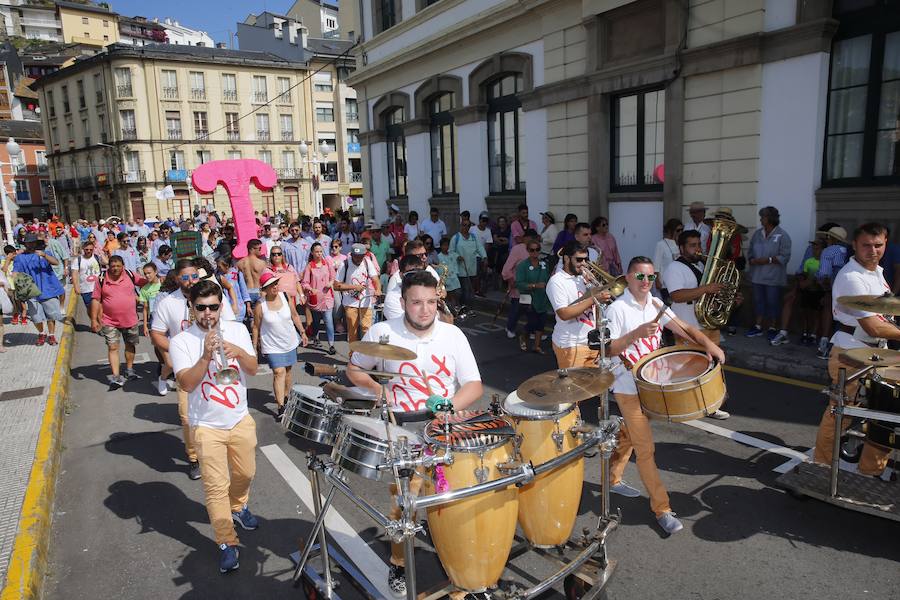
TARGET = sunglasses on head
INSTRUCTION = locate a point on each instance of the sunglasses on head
(192, 276)
(643, 276)
(206, 307)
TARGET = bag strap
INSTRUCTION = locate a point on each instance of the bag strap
(697, 273)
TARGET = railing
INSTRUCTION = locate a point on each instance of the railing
(85, 182)
(99, 95)
(174, 134)
(329, 177)
(21, 169)
(352, 117)
(233, 136)
(201, 134)
(353, 147)
(289, 173)
(198, 93)
(129, 134)
(170, 93)
(229, 95)
(259, 97)
(287, 136)
(134, 177)
(42, 168)
(284, 98)
(355, 177)
(263, 135)
(124, 91)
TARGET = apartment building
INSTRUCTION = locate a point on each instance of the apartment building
(87, 24)
(321, 18)
(633, 109)
(181, 35)
(138, 31)
(31, 21)
(124, 124)
(27, 177)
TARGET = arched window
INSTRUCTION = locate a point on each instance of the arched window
(396, 150)
(506, 163)
(443, 144)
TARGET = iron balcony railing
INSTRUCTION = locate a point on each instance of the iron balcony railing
(124, 91)
(170, 93)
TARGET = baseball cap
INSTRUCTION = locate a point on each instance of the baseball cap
(267, 279)
(358, 250)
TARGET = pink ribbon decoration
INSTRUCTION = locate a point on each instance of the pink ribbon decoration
(235, 176)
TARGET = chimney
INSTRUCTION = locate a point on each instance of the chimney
(221, 45)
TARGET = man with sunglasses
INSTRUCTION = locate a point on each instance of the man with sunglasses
(413, 260)
(635, 332)
(223, 430)
(574, 309)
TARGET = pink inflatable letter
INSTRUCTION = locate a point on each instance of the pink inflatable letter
(235, 176)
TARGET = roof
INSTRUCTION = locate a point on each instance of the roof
(23, 90)
(332, 47)
(142, 21)
(39, 59)
(22, 130)
(84, 7)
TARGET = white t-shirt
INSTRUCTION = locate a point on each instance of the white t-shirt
(212, 405)
(593, 256)
(173, 316)
(562, 290)
(855, 280)
(443, 357)
(411, 231)
(88, 270)
(436, 229)
(666, 252)
(484, 236)
(392, 308)
(678, 276)
(624, 315)
(362, 274)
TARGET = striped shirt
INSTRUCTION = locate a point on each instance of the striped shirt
(830, 262)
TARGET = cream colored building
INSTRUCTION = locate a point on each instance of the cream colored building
(123, 124)
(631, 109)
(87, 24)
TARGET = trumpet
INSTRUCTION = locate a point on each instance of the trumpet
(599, 281)
(226, 375)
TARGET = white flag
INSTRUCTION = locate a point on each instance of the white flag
(167, 193)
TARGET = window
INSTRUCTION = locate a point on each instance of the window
(84, 20)
(287, 127)
(325, 112)
(862, 143)
(105, 38)
(173, 124)
(40, 158)
(45, 191)
(65, 94)
(80, 87)
(176, 160)
(201, 124)
(105, 23)
(284, 90)
(229, 87)
(443, 147)
(353, 136)
(102, 120)
(23, 193)
(50, 103)
(123, 82)
(322, 82)
(54, 136)
(260, 89)
(169, 84)
(328, 171)
(638, 140)
(232, 129)
(129, 127)
(86, 129)
(352, 110)
(203, 157)
(506, 165)
(198, 85)
(328, 140)
(266, 156)
(98, 87)
(262, 127)
(396, 152)
(386, 14)
(287, 160)
(132, 163)
(234, 155)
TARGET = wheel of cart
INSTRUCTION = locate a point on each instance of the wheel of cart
(852, 442)
(575, 588)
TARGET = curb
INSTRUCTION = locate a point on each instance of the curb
(28, 562)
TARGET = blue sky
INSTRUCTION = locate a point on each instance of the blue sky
(217, 17)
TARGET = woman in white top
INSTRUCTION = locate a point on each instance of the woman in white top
(549, 231)
(667, 248)
(275, 327)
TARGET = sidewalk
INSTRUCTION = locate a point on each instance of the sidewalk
(788, 360)
(33, 386)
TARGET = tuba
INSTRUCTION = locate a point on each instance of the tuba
(713, 310)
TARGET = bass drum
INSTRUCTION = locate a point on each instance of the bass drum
(883, 394)
(548, 506)
(473, 536)
(679, 384)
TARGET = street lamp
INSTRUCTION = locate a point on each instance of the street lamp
(324, 150)
(13, 150)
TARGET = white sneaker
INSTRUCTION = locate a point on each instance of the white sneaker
(721, 415)
(510, 334)
(669, 523)
(171, 384)
(162, 387)
(623, 489)
(780, 338)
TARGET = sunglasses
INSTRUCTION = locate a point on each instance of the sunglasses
(420, 255)
(534, 249)
(276, 254)
(643, 276)
(205, 307)
(579, 259)
(194, 277)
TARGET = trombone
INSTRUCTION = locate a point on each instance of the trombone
(599, 281)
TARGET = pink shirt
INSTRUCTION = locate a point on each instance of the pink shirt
(335, 261)
(287, 280)
(518, 253)
(118, 300)
(320, 277)
(609, 253)
(516, 230)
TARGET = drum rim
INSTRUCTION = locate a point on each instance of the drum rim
(554, 416)
(707, 376)
(345, 427)
(470, 449)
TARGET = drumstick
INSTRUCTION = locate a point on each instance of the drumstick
(665, 307)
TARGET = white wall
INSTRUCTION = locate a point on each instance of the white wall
(379, 180)
(637, 226)
(779, 14)
(471, 165)
(792, 132)
(534, 132)
(418, 172)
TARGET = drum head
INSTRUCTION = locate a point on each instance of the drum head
(675, 367)
(890, 374)
(375, 428)
(469, 430)
(307, 391)
(516, 407)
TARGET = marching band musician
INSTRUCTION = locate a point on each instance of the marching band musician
(861, 276)
(444, 360)
(574, 320)
(682, 280)
(635, 333)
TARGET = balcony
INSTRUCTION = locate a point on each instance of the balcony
(177, 175)
(124, 91)
(229, 95)
(330, 176)
(129, 134)
(259, 97)
(263, 135)
(84, 183)
(353, 147)
(170, 93)
(355, 177)
(42, 168)
(353, 117)
(284, 98)
(201, 134)
(289, 173)
(287, 136)
(198, 93)
(134, 177)
(174, 133)
(233, 136)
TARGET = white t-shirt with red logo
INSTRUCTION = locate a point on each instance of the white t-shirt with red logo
(365, 273)
(562, 290)
(625, 314)
(443, 356)
(210, 404)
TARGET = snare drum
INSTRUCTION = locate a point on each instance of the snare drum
(548, 506)
(679, 384)
(473, 537)
(311, 415)
(361, 446)
(883, 394)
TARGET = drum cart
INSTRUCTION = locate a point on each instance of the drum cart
(848, 490)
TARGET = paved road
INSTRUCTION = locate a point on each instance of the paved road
(129, 524)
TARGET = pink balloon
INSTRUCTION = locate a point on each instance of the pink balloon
(660, 172)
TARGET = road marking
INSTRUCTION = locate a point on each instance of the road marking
(340, 531)
(775, 378)
(745, 439)
(784, 468)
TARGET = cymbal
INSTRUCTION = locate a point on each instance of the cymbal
(564, 386)
(870, 357)
(883, 305)
(335, 390)
(385, 351)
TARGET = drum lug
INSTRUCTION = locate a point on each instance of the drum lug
(517, 445)
(481, 474)
(558, 438)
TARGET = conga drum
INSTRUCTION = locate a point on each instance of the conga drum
(679, 384)
(473, 536)
(548, 506)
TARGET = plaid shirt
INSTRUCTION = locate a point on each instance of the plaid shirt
(830, 262)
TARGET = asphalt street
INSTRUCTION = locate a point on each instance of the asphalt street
(129, 524)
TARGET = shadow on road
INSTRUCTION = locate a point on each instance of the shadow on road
(159, 412)
(156, 449)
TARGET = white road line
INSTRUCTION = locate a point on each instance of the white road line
(341, 532)
(743, 438)
(844, 465)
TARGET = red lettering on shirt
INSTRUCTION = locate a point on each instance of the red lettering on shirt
(587, 317)
(640, 348)
(210, 391)
(420, 383)
(442, 365)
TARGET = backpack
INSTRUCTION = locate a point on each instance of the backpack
(102, 278)
(25, 287)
